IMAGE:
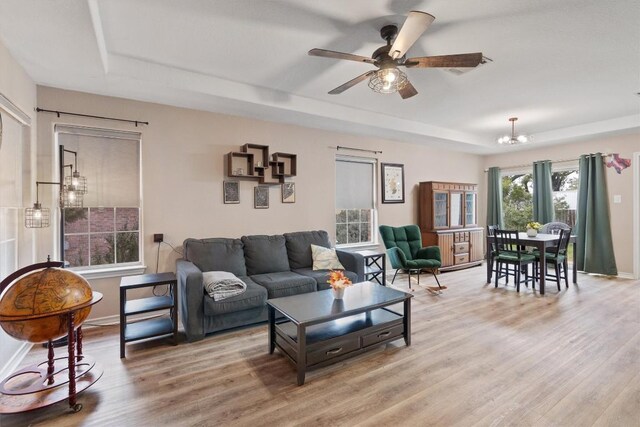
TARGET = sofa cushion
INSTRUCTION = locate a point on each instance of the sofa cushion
(321, 276)
(255, 296)
(285, 283)
(216, 254)
(325, 258)
(299, 246)
(265, 254)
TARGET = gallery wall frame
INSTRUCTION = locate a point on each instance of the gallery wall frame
(289, 192)
(261, 197)
(392, 179)
(231, 192)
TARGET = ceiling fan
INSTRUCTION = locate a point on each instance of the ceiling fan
(388, 78)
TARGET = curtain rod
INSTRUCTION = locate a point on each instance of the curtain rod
(357, 149)
(136, 122)
(552, 161)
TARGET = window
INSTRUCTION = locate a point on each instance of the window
(517, 197)
(355, 201)
(564, 184)
(105, 232)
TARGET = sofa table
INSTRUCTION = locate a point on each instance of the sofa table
(319, 330)
(151, 327)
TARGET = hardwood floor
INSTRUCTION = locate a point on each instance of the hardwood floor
(479, 356)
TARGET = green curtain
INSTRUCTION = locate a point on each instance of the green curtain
(494, 197)
(542, 192)
(594, 245)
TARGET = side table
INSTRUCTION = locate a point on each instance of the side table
(375, 266)
(151, 327)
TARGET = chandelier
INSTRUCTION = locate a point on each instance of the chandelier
(388, 80)
(513, 139)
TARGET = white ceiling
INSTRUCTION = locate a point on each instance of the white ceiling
(566, 68)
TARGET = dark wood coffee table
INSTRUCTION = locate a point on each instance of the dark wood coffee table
(318, 330)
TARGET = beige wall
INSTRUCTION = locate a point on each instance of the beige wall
(183, 155)
(617, 184)
(20, 90)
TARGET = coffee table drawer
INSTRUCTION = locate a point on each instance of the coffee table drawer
(382, 334)
(329, 351)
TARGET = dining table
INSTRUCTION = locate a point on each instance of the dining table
(541, 242)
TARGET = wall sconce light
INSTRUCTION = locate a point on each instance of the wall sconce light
(37, 216)
(75, 181)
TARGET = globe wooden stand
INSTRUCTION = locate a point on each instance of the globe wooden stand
(41, 385)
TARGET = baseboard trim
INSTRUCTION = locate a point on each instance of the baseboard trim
(626, 276)
(12, 365)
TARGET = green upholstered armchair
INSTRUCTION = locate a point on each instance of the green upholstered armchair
(405, 251)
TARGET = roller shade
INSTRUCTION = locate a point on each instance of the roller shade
(111, 162)
(354, 184)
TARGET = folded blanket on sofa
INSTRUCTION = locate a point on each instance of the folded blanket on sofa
(222, 284)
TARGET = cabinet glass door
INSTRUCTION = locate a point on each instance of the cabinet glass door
(470, 209)
(440, 214)
(456, 210)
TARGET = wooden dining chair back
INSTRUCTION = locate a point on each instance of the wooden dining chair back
(508, 252)
(491, 233)
(559, 259)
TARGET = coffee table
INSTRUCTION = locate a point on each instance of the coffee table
(316, 330)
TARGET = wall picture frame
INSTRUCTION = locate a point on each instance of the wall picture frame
(392, 177)
(261, 197)
(289, 192)
(231, 192)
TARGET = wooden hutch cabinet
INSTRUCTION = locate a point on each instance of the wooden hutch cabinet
(448, 214)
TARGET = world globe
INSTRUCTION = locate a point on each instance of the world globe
(36, 307)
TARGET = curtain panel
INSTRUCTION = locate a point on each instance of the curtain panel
(594, 245)
(542, 192)
(494, 197)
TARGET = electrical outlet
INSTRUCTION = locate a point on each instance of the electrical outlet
(158, 238)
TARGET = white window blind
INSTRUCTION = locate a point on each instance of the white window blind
(354, 184)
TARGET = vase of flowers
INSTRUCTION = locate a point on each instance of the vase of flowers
(339, 282)
(532, 228)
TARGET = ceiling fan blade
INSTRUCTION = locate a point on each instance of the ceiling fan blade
(415, 24)
(351, 83)
(447, 61)
(407, 91)
(339, 55)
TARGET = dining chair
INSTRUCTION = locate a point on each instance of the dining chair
(508, 253)
(492, 251)
(553, 228)
(557, 257)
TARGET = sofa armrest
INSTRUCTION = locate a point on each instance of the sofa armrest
(352, 261)
(191, 290)
(429, 252)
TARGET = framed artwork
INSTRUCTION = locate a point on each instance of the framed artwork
(392, 182)
(231, 192)
(261, 197)
(289, 192)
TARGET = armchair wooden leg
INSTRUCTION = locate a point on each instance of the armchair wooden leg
(409, 273)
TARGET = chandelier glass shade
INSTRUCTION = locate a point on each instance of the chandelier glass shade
(388, 80)
(513, 139)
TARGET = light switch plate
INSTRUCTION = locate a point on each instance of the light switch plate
(617, 198)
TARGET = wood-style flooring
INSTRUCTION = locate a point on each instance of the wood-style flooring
(479, 356)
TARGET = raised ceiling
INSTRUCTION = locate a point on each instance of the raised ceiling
(567, 69)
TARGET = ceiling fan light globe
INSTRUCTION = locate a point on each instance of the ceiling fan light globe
(523, 138)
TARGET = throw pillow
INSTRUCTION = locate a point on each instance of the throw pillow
(325, 258)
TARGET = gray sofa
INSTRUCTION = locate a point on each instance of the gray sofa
(271, 266)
